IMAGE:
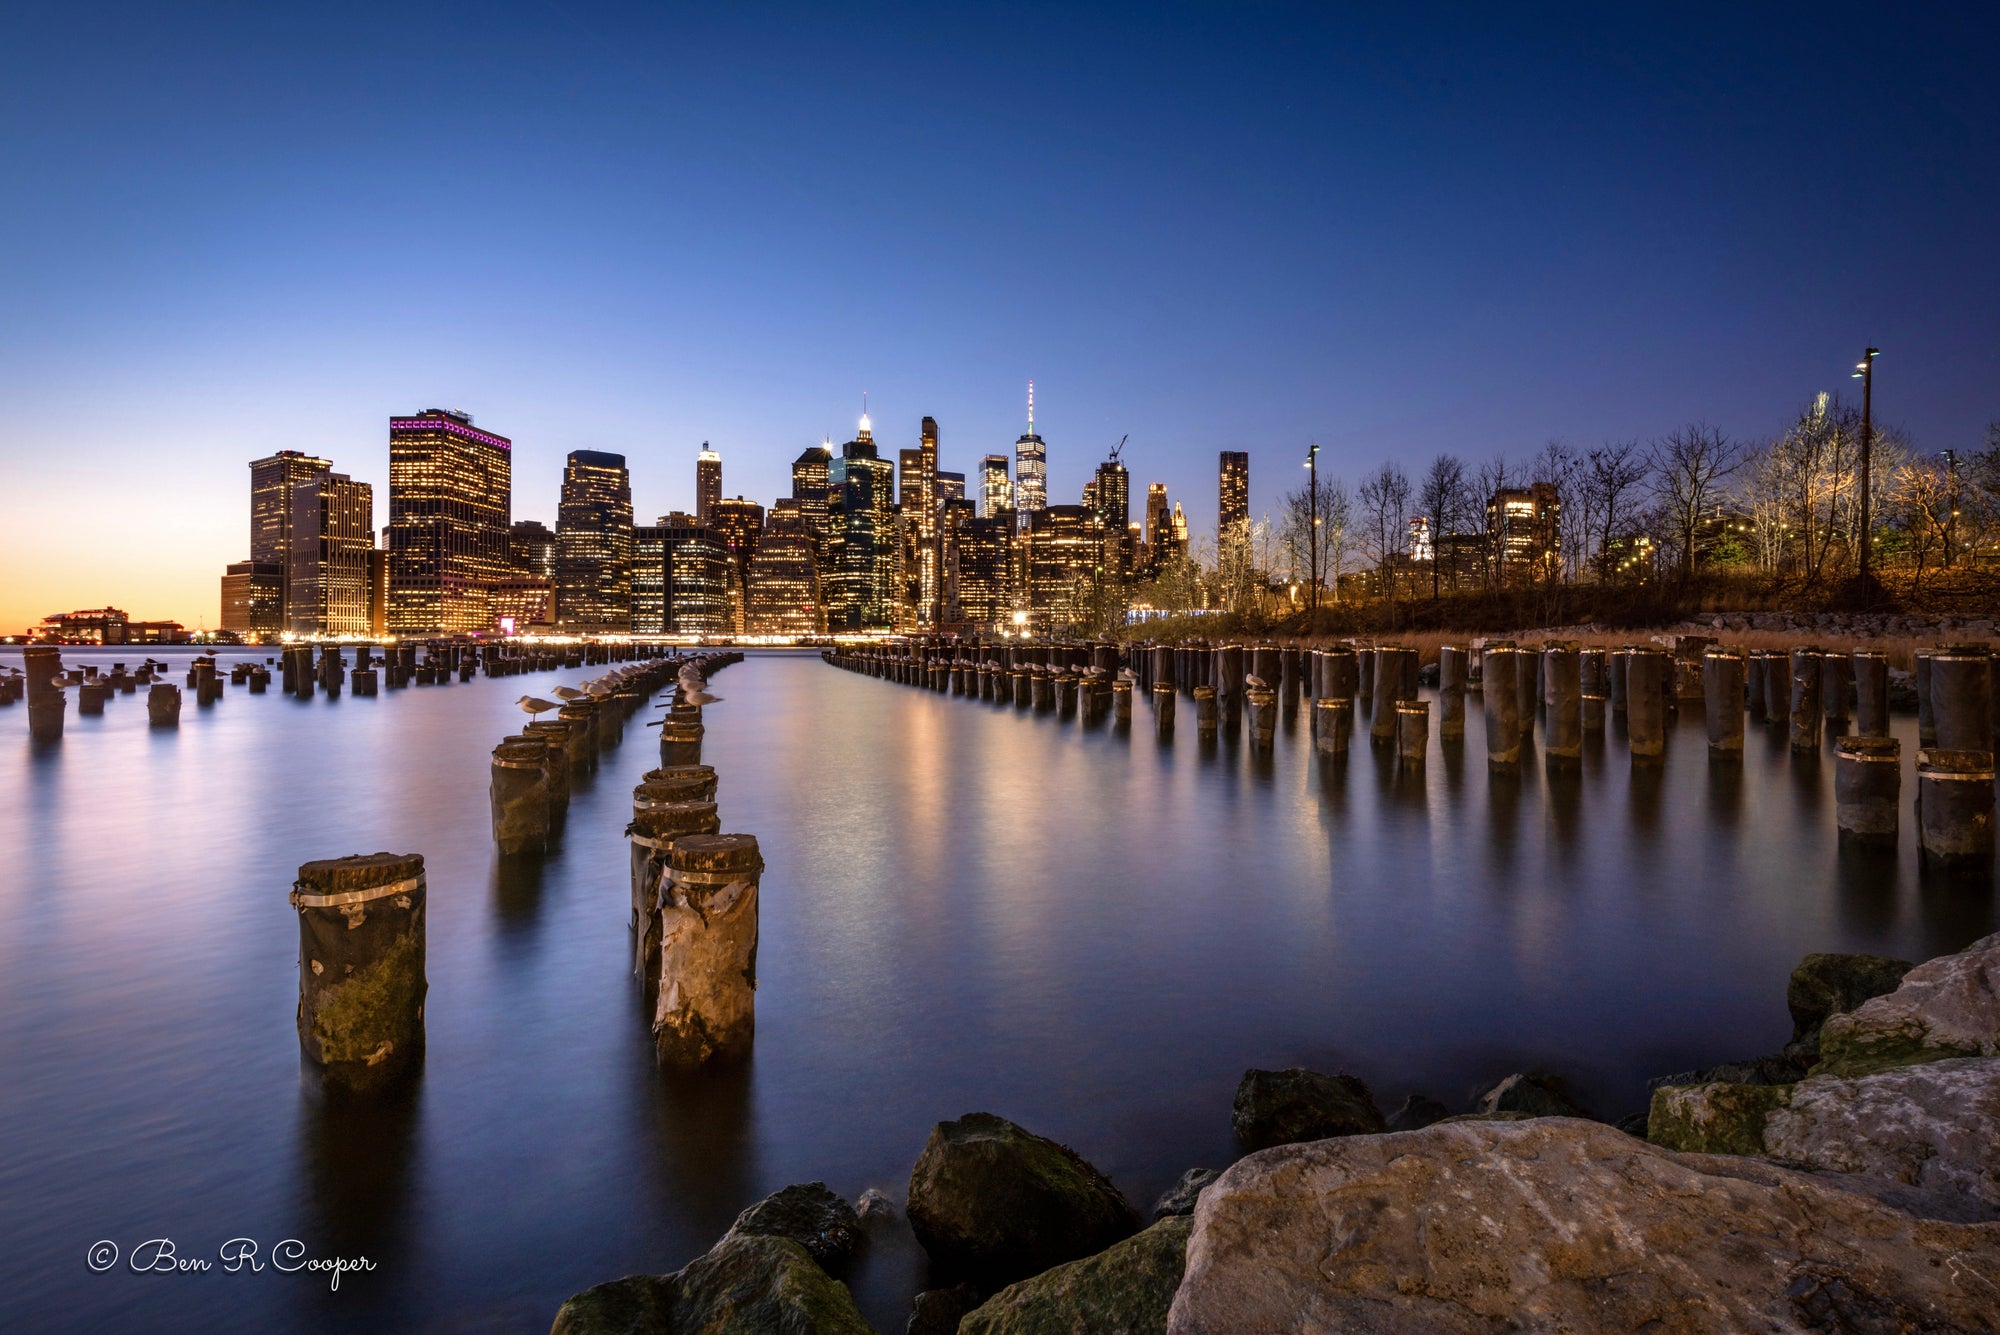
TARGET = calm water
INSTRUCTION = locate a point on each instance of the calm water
(965, 908)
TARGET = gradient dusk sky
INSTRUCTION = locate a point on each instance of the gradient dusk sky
(232, 229)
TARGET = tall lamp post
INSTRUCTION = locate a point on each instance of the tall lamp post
(1312, 531)
(1864, 371)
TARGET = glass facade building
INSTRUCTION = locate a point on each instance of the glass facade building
(594, 545)
(328, 581)
(450, 491)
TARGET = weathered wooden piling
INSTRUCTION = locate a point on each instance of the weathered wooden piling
(361, 963)
(1364, 673)
(1645, 704)
(1121, 702)
(1413, 733)
(163, 705)
(1619, 663)
(1333, 720)
(1562, 684)
(555, 735)
(656, 826)
(1805, 699)
(1867, 785)
(1262, 702)
(1722, 681)
(1871, 693)
(1452, 672)
(365, 680)
(1836, 680)
(1955, 805)
(1500, 670)
(1163, 709)
(1343, 675)
(1753, 682)
(519, 792)
(680, 742)
(1204, 709)
(681, 783)
(92, 695)
(1229, 681)
(1594, 709)
(208, 686)
(1390, 675)
(1961, 698)
(581, 715)
(1777, 688)
(1527, 688)
(1926, 717)
(708, 950)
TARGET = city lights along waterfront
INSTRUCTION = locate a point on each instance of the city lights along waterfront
(1088, 928)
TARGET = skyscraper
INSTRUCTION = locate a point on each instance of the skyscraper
(782, 596)
(594, 545)
(1031, 467)
(738, 524)
(707, 484)
(1232, 516)
(920, 515)
(984, 570)
(532, 548)
(809, 473)
(1112, 501)
(1065, 555)
(950, 487)
(327, 575)
(253, 597)
(271, 482)
(860, 490)
(1156, 526)
(450, 492)
(996, 489)
(697, 576)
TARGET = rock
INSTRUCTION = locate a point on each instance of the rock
(1536, 1093)
(938, 1311)
(1825, 985)
(1282, 1107)
(809, 1214)
(1416, 1113)
(1633, 1124)
(875, 1207)
(1945, 1007)
(994, 1203)
(1926, 1129)
(1555, 1224)
(1180, 1197)
(1509, 1116)
(1756, 1071)
(1125, 1289)
(744, 1285)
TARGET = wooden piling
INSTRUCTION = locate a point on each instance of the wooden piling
(361, 963)
(706, 1007)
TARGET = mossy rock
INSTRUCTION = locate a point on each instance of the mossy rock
(745, 1285)
(1825, 985)
(1714, 1118)
(1125, 1289)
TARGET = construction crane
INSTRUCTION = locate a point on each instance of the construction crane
(1119, 448)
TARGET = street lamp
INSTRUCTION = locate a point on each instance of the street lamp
(1312, 530)
(1864, 371)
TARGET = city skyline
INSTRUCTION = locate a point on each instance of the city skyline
(1389, 240)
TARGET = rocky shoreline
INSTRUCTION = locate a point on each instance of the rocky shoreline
(1850, 1183)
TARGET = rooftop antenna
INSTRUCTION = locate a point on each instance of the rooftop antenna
(1031, 407)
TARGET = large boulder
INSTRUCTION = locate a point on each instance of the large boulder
(1125, 1289)
(1945, 1007)
(1756, 1071)
(1283, 1107)
(1536, 1093)
(938, 1311)
(744, 1285)
(1925, 1131)
(994, 1203)
(1418, 1111)
(1557, 1224)
(809, 1214)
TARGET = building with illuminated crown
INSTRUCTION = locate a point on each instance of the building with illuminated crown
(861, 521)
(450, 496)
(1031, 467)
(594, 545)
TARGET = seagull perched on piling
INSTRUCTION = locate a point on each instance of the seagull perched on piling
(1256, 683)
(567, 692)
(694, 687)
(1124, 674)
(529, 704)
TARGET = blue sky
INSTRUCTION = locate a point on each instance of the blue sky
(230, 229)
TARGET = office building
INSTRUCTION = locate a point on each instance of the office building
(996, 488)
(253, 594)
(1232, 515)
(983, 570)
(271, 482)
(531, 545)
(1111, 500)
(1065, 563)
(809, 482)
(450, 494)
(1031, 467)
(738, 524)
(782, 596)
(863, 537)
(594, 545)
(327, 577)
(950, 487)
(707, 483)
(696, 576)
(918, 499)
(1524, 527)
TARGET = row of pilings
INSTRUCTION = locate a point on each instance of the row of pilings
(1806, 692)
(300, 670)
(362, 919)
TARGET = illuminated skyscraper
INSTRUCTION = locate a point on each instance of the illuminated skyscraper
(1065, 560)
(809, 473)
(1111, 498)
(738, 525)
(1031, 467)
(1524, 525)
(450, 491)
(696, 575)
(860, 491)
(594, 545)
(271, 482)
(1232, 515)
(783, 595)
(918, 497)
(253, 597)
(950, 487)
(996, 488)
(707, 483)
(532, 548)
(984, 570)
(327, 577)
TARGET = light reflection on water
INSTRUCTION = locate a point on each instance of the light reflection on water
(965, 907)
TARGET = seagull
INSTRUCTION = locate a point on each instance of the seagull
(1256, 683)
(529, 704)
(566, 692)
(1124, 674)
(699, 697)
(690, 678)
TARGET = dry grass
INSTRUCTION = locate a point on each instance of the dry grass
(1901, 649)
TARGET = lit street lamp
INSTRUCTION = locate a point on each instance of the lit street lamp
(1864, 371)
(1312, 530)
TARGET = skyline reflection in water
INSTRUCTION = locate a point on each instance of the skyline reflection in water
(965, 907)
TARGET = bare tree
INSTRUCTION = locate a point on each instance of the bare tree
(1562, 468)
(1492, 477)
(1689, 468)
(1443, 500)
(1614, 477)
(1296, 518)
(1385, 507)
